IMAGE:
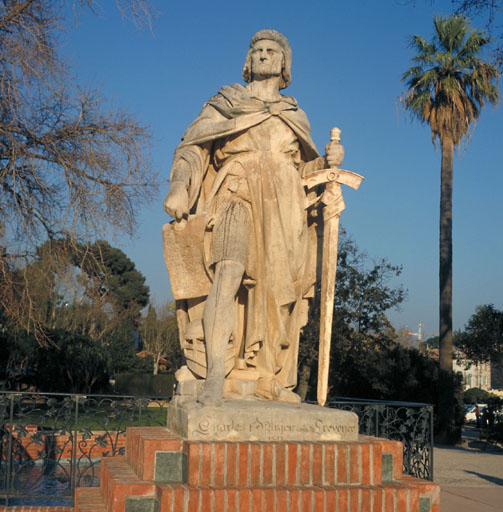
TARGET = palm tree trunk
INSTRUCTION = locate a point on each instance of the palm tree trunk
(445, 269)
(446, 410)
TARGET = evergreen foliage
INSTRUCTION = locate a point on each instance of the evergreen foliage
(482, 338)
(362, 296)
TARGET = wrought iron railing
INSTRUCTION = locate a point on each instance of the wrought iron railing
(410, 423)
(52, 443)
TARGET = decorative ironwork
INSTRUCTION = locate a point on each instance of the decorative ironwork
(410, 423)
(52, 443)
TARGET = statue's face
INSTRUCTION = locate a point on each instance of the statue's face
(266, 59)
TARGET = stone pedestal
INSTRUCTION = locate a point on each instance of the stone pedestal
(260, 420)
(165, 472)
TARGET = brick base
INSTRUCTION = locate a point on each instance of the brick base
(34, 508)
(162, 472)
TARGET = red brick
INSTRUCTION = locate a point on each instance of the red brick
(331, 498)
(329, 466)
(193, 459)
(232, 500)
(255, 473)
(342, 463)
(179, 499)
(194, 499)
(280, 463)
(295, 502)
(319, 500)
(402, 498)
(377, 498)
(145, 468)
(305, 464)
(307, 500)
(205, 477)
(292, 463)
(243, 464)
(206, 499)
(354, 500)
(424, 488)
(219, 457)
(398, 459)
(343, 500)
(414, 499)
(269, 500)
(317, 464)
(354, 463)
(219, 495)
(376, 463)
(366, 499)
(267, 464)
(389, 499)
(256, 500)
(281, 500)
(244, 501)
(365, 461)
(231, 476)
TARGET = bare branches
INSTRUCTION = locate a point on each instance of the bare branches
(140, 12)
(69, 166)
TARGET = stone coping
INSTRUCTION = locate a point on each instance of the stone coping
(260, 420)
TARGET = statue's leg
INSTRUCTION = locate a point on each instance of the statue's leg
(218, 322)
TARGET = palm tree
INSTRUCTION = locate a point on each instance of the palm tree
(447, 88)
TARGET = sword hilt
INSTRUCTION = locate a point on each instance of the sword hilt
(335, 135)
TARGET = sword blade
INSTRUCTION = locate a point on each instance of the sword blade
(328, 274)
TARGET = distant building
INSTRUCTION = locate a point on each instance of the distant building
(475, 375)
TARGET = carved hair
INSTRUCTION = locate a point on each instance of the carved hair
(271, 35)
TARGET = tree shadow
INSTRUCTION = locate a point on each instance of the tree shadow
(492, 479)
(475, 447)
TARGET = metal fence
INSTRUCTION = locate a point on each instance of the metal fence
(52, 443)
(410, 423)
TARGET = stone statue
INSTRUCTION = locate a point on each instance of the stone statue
(242, 251)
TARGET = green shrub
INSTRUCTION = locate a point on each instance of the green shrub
(140, 384)
(476, 396)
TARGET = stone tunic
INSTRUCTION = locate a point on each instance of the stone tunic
(251, 182)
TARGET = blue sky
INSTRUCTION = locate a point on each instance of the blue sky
(348, 58)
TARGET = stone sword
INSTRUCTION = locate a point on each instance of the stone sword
(334, 204)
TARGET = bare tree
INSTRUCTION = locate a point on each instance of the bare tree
(69, 166)
(159, 334)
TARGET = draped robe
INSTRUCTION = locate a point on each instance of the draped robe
(247, 158)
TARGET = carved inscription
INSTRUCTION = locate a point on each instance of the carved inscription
(273, 430)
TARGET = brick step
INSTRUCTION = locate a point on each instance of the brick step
(395, 497)
(119, 481)
(123, 490)
(157, 454)
(143, 445)
(427, 490)
(88, 499)
(291, 463)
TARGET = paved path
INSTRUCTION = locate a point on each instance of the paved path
(471, 479)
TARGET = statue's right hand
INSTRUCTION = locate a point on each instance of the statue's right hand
(176, 203)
